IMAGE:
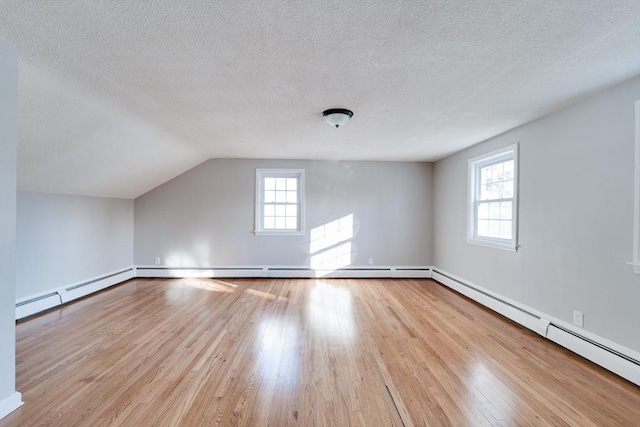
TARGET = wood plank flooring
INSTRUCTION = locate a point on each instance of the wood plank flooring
(255, 352)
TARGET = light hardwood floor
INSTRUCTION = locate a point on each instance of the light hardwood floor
(194, 352)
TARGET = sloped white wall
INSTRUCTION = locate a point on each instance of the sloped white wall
(576, 217)
(205, 217)
(64, 239)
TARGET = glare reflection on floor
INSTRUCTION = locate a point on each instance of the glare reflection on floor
(484, 388)
(330, 312)
(261, 294)
(211, 285)
(182, 290)
(278, 355)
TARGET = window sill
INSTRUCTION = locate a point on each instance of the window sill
(636, 267)
(491, 244)
(279, 233)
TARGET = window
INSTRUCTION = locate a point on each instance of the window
(279, 201)
(493, 199)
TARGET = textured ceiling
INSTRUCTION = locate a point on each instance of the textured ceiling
(117, 97)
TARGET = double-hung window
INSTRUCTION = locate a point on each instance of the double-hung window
(279, 201)
(493, 199)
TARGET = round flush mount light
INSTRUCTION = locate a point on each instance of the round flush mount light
(337, 116)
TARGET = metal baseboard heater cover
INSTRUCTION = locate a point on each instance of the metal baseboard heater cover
(286, 272)
(45, 301)
(609, 358)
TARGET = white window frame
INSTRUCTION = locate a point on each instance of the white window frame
(261, 174)
(475, 165)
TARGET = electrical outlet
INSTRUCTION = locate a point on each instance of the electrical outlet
(370, 261)
(578, 318)
(157, 260)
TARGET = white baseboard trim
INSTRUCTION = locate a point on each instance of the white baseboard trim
(10, 404)
(36, 303)
(32, 305)
(208, 272)
(86, 287)
(611, 356)
(284, 272)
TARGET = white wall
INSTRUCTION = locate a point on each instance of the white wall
(64, 239)
(205, 217)
(576, 217)
(8, 123)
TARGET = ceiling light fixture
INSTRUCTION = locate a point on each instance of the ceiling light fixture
(337, 116)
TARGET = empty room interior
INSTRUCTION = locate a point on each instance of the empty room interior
(316, 213)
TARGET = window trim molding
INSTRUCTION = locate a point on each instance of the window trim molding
(635, 263)
(257, 230)
(489, 157)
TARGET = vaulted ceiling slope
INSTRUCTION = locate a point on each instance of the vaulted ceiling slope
(117, 97)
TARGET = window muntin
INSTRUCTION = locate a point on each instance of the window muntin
(493, 199)
(279, 201)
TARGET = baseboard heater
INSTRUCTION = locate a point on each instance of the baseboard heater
(38, 303)
(623, 362)
(284, 272)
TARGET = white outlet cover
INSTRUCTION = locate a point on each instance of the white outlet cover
(578, 318)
